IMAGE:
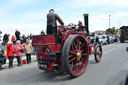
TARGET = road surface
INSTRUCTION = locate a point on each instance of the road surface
(110, 71)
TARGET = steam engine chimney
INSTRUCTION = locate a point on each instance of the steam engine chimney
(86, 22)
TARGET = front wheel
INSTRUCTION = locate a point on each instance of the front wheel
(75, 55)
(0, 65)
(98, 52)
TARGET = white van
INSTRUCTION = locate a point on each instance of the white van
(103, 39)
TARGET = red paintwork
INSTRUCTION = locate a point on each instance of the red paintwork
(48, 41)
(55, 48)
(44, 40)
(91, 49)
(72, 32)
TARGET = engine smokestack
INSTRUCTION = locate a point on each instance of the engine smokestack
(86, 22)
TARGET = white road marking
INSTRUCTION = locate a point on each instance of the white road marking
(108, 51)
(119, 46)
(111, 49)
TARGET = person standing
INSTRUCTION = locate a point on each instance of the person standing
(17, 34)
(10, 54)
(19, 52)
(52, 19)
(24, 38)
(28, 49)
(5, 38)
(30, 36)
(13, 39)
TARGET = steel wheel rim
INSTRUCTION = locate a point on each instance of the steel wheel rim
(78, 56)
(99, 53)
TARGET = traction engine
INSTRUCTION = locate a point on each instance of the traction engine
(69, 50)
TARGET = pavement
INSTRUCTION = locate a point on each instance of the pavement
(110, 71)
(33, 58)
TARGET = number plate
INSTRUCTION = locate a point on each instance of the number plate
(43, 66)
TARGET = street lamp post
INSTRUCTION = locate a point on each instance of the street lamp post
(119, 24)
(109, 21)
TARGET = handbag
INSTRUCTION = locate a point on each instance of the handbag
(22, 50)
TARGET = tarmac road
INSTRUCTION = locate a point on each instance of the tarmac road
(110, 71)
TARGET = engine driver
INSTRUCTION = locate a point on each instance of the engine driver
(52, 19)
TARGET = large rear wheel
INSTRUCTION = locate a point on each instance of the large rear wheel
(75, 55)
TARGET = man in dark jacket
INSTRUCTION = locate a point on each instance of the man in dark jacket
(17, 34)
(52, 19)
(5, 38)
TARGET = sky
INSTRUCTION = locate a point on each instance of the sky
(29, 16)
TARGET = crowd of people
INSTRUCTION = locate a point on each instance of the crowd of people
(15, 37)
(16, 47)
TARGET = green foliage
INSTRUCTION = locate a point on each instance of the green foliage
(111, 31)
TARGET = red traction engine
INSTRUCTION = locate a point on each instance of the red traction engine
(69, 51)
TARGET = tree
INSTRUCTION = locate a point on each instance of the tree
(111, 31)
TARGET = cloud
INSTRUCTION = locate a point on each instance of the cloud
(33, 15)
(34, 20)
(105, 3)
(121, 14)
(11, 5)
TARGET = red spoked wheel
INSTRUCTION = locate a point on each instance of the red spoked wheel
(75, 55)
(98, 52)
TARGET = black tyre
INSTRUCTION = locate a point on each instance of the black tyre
(122, 38)
(0, 65)
(124, 81)
(75, 55)
(98, 52)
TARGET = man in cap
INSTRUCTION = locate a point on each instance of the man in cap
(52, 19)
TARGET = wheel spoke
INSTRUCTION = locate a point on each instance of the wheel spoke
(72, 60)
(82, 45)
(82, 50)
(72, 47)
(76, 67)
(70, 56)
(82, 65)
(99, 55)
(78, 44)
(71, 66)
(82, 59)
(84, 54)
(72, 52)
(98, 52)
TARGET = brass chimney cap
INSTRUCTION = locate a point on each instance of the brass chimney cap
(85, 14)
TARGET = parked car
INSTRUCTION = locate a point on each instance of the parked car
(2, 61)
(111, 39)
(2, 57)
(103, 39)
